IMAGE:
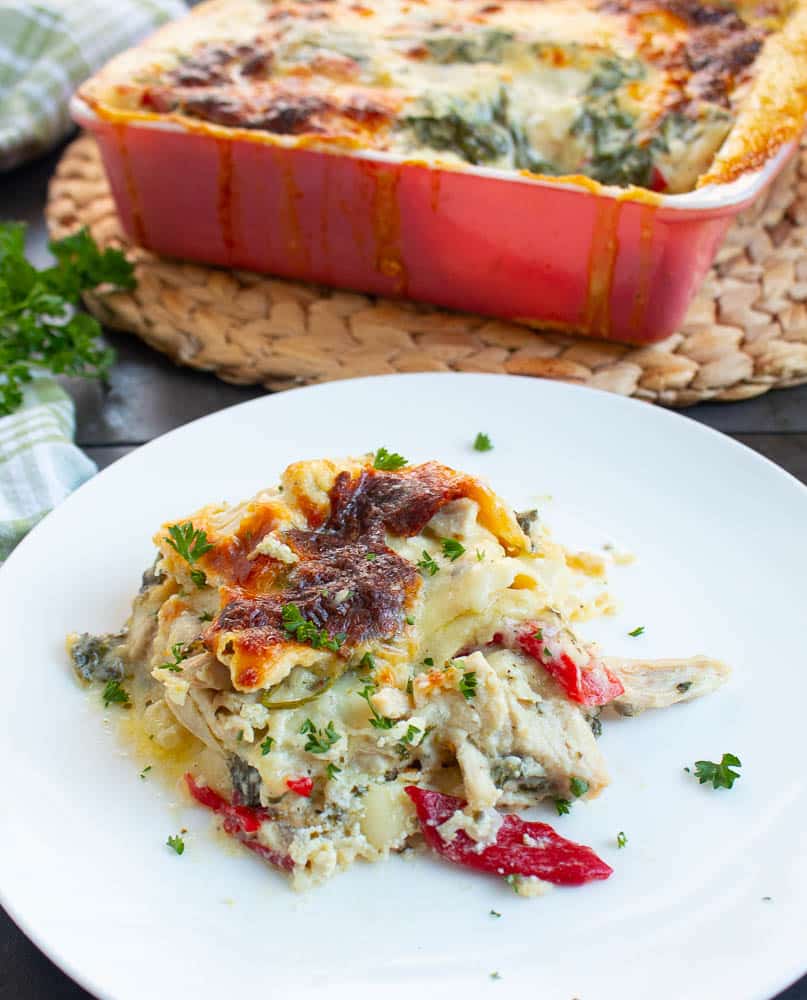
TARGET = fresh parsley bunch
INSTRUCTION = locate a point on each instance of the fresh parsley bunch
(40, 326)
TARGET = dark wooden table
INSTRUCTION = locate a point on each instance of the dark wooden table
(148, 395)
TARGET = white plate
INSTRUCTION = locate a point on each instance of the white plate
(722, 554)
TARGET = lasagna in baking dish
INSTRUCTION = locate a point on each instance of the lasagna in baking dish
(375, 656)
(663, 94)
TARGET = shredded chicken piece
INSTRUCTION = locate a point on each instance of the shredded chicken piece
(659, 683)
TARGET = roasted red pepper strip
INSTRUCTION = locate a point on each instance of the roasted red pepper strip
(658, 182)
(546, 854)
(239, 822)
(593, 684)
(302, 786)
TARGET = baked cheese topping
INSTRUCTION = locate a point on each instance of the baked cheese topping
(318, 655)
(626, 92)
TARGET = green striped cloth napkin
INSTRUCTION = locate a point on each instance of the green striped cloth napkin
(47, 49)
(39, 464)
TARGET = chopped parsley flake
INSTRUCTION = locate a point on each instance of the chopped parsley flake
(332, 770)
(495, 913)
(179, 653)
(429, 661)
(145, 771)
(205, 616)
(721, 775)
(267, 745)
(377, 721)
(562, 806)
(467, 685)
(480, 555)
(495, 975)
(367, 662)
(191, 544)
(176, 844)
(482, 442)
(370, 556)
(404, 745)
(636, 632)
(115, 694)
(452, 549)
(409, 620)
(428, 565)
(319, 740)
(388, 461)
(579, 786)
(305, 631)
(621, 840)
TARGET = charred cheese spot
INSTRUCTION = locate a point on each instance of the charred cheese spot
(346, 581)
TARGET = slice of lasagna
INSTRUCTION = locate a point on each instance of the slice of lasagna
(372, 655)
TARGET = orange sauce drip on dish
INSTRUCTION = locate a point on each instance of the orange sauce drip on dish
(601, 261)
(293, 237)
(645, 269)
(435, 189)
(324, 199)
(387, 227)
(131, 186)
(224, 194)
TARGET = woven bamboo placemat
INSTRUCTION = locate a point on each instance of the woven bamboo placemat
(745, 333)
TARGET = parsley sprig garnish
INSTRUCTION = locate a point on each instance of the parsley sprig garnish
(266, 746)
(482, 442)
(635, 633)
(191, 544)
(39, 325)
(319, 740)
(721, 775)
(562, 806)
(388, 461)
(115, 694)
(305, 631)
(179, 653)
(452, 549)
(377, 721)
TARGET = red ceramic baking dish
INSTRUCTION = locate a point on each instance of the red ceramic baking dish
(616, 264)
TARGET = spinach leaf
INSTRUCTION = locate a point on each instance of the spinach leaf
(483, 46)
(618, 158)
(611, 74)
(468, 129)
